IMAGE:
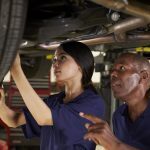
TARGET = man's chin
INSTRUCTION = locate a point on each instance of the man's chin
(118, 95)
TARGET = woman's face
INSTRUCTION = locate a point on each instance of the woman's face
(65, 67)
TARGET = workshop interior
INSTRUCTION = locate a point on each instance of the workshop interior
(34, 28)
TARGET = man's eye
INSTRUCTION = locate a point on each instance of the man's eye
(122, 68)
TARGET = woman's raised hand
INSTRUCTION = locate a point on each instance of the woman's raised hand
(16, 65)
(16, 61)
(2, 97)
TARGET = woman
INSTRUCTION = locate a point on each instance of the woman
(56, 119)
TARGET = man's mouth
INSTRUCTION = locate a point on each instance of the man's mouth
(115, 84)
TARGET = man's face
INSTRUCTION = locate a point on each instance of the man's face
(124, 77)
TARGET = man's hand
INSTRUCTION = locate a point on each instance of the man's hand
(100, 132)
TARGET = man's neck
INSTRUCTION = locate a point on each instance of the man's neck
(135, 110)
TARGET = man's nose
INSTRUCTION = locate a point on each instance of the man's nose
(113, 73)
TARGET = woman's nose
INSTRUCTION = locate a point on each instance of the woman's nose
(56, 64)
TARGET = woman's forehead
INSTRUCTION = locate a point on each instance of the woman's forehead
(59, 51)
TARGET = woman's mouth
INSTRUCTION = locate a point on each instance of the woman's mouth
(57, 72)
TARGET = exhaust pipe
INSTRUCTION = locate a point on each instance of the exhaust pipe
(121, 28)
(125, 8)
(110, 39)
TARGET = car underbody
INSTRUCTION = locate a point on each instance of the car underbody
(39, 26)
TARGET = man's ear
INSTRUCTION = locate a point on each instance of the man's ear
(144, 76)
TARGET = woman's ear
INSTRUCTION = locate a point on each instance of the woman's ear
(79, 68)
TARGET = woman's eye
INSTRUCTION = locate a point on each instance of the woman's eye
(54, 60)
(59, 59)
(62, 58)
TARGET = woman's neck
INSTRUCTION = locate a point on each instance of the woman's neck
(72, 91)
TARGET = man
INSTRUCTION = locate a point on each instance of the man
(130, 82)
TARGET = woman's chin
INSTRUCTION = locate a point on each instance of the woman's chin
(59, 81)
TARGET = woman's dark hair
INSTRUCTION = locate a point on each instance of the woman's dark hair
(84, 58)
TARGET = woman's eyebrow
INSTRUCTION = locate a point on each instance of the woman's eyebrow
(61, 54)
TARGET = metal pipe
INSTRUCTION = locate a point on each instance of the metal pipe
(121, 28)
(106, 40)
(111, 39)
(125, 8)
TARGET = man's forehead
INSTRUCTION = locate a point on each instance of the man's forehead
(124, 59)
